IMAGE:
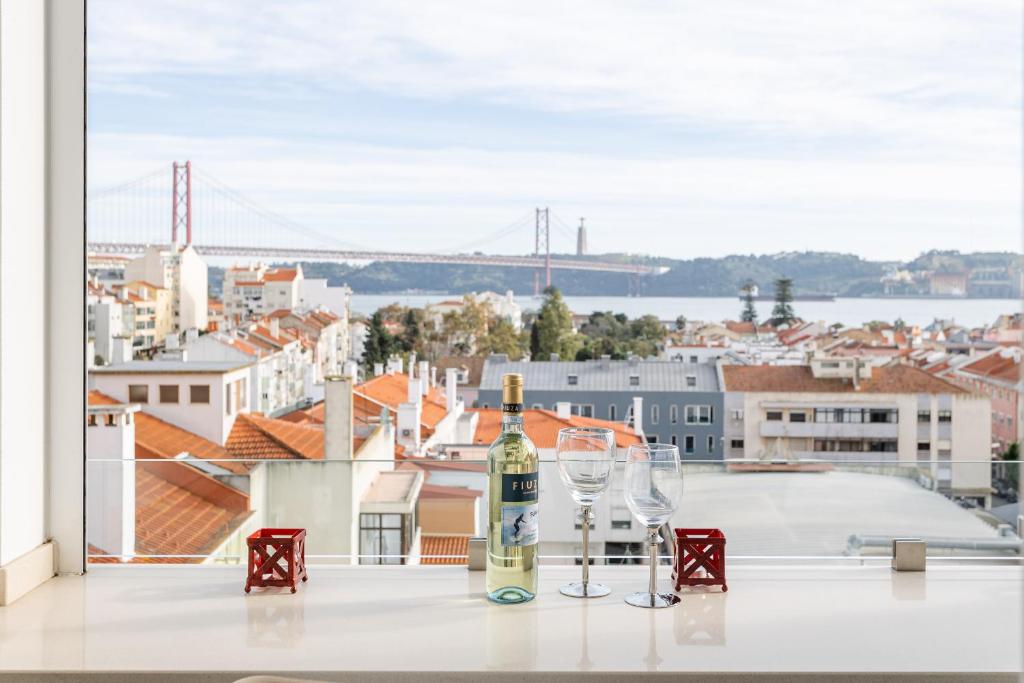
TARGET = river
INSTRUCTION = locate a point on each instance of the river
(850, 312)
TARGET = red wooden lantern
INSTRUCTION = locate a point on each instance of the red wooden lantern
(277, 557)
(700, 558)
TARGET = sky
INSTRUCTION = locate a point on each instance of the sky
(684, 129)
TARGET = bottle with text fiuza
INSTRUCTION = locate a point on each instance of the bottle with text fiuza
(512, 523)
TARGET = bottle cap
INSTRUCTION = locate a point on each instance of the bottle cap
(512, 388)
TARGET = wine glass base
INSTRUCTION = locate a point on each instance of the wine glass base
(653, 600)
(576, 589)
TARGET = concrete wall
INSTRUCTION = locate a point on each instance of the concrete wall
(23, 366)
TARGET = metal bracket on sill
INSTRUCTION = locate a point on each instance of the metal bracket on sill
(477, 550)
(908, 554)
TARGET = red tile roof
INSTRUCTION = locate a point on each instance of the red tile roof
(995, 366)
(897, 379)
(255, 436)
(433, 546)
(393, 390)
(542, 427)
(281, 275)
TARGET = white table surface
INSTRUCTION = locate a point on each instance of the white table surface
(435, 619)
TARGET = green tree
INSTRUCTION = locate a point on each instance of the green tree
(783, 313)
(680, 323)
(502, 337)
(534, 341)
(464, 327)
(554, 328)
(411, 338)
(749, 313)
(379, 343)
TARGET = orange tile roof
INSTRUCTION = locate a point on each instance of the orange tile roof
(995, 366)
(242, 345)
(897, 379)
(255, 436)
(431, 547)
(248, 283)
(281, 275)
(281, 339)
(392, 390)
(542, 427)
(439, 491)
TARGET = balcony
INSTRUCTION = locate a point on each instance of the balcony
(830, 430)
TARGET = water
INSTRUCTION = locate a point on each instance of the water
(850, 312)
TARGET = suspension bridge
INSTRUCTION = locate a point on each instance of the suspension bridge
(187, 205)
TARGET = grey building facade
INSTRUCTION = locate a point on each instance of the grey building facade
(682, 402)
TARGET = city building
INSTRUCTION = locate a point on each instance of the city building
(202, 397)
(469, 370)
(180, 270)
(316, 293)
(996, 374)
(256, 290)
(327, 334)
(841, 409)
(153, 312)
(682, 402)
(500, 307)
(953, 284)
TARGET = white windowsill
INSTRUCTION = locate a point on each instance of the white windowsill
(954, 619)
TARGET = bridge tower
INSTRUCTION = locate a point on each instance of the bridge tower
(542, 245)
(581, 239)
(181, 201)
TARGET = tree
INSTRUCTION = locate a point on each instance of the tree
(749, 314)
(379, 343)
(464, 327)
(783, 313)
(681, 323)
(534, 341)
(554, 328)
(411, 338)
(502, 337)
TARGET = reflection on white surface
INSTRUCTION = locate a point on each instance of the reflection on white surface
(700, 617)
(275, 619)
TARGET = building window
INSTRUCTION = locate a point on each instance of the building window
(138, 393)
(573, 380)
(688, 441)
(774, 416)
(673, 414)
(736, 443)
(537, 406)
(693, 359)
(582, 409)
(883, 416)
(199, 393)
(652, 438)
(168, 393)
(229, 399)
(945, 416)
(382, 535)
(711, 444)
(798, 417)
(924, 445)
(634, 380)
(622, 524)
(924, 416)
(612, 412)
(702, 415)
(655, 414)
(675, 440)
(691, 381)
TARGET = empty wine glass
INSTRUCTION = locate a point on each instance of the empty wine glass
(654, 487)
(585, 458)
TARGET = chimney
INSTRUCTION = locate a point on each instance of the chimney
(433, 376)
(451, 388)
(413, 394)
(337, 418)
(120, 350)
(856, 373)
(351, 370)
(606, 361)
(638, 414)
(378, 369)
(563, 409)
(111, 482)
(412, 362)
(275, 327)
(409, 426)
(424, 374)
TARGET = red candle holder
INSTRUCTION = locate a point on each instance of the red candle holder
(699, 558)
(277, 557)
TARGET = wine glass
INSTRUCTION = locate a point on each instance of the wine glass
(654, 487)
(585, 459)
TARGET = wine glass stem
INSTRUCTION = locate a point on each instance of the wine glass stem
(652, 540)
(586, 546)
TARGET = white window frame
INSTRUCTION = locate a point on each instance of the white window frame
(655, 413)
(697, 409)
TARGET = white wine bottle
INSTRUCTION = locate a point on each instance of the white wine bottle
(512, 522)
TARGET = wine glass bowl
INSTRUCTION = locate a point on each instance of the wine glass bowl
(586, 456)
(653, 490)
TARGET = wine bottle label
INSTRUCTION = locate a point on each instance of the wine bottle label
(519, 488)
(512, 408)
(519, 524)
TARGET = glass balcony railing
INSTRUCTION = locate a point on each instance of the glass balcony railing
(812, 508)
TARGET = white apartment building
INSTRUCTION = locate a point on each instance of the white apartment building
(316, 293)
(358, 331)
(327, 332)
(180, 270)
(843, 409)
(255, 290)
(107, 320)
(203, 397)
(500, 307)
